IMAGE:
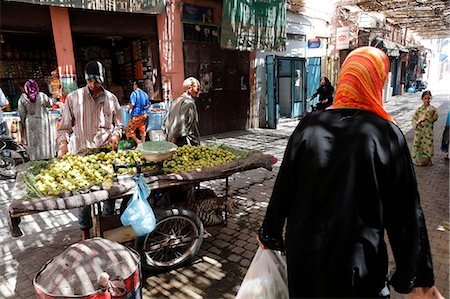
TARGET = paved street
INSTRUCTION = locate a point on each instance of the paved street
(224, 257)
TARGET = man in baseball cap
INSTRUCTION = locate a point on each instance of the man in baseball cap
(94, 70)
(92, 115)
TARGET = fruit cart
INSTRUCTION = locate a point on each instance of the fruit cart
(179, 231)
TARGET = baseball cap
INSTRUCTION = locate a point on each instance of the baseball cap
(94, 70)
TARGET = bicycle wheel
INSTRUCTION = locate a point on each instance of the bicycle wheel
(7, 170)
(175, 241)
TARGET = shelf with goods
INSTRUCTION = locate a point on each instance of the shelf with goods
(84, 54)
(14, 73)
(198, 32)
(23, 57)
(135, 63)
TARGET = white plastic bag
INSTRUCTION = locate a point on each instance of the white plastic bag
(266, 277)
(138, 212)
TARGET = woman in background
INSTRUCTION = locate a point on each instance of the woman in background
(34, 118)
(334, 237)
(445, 137)
(423, 123)
(325, 93)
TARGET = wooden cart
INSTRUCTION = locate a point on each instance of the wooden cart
(177, 222)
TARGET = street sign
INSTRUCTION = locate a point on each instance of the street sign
(342, 38)
(314, 43)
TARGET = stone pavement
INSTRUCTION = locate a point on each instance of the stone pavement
(223, 260)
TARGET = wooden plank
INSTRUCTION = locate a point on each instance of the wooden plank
(120, 234)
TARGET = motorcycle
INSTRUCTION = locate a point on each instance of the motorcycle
(421, 85)
(310, 108)
(11, 154)
(416, 86)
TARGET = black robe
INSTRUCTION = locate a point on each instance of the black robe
(346, 177)
(325, 92)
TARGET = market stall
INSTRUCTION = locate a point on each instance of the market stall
(124, 185)
(13, 123)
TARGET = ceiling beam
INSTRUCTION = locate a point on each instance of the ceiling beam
(426, 18)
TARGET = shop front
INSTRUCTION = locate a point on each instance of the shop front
(127, 45)
(224, 102)
(26, 48)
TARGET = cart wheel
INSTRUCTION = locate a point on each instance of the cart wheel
(175, 241)
(22, 158)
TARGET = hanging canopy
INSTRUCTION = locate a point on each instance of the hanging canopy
(387, 46)
(143, 6)
(427, 18)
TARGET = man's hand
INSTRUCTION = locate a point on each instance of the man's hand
(425, 293)
(63, 149)
(115, 141)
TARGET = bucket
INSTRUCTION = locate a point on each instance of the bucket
(156, 115)
(126, 116)
(96, 269)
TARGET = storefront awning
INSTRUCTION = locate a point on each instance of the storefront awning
(402, 48)
(253, 25)
(143, 6)
(389, 47)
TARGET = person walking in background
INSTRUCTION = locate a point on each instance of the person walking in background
(92, 115)
(325, 93)
(423, 123)
(139, 103)
(33, 109)
(181, 123)
(3, 103)
(445, 137)
(334, 237)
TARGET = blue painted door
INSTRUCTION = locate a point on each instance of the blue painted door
(290, 82)
(313, 81)
(286, 88)
(298, 87)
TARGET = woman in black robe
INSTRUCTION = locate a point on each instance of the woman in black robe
(346, 177)
(325, 93)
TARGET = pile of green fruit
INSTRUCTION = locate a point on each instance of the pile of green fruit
(75, 172)
(192, 157)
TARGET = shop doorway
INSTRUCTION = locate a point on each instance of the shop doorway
(125, 60)
(224, 101)
(285, 88)
(126, 44)
(395, 69)
(25, 56)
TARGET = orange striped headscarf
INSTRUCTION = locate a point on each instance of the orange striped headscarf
(361, 80)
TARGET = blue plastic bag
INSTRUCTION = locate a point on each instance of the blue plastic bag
(139, 213)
